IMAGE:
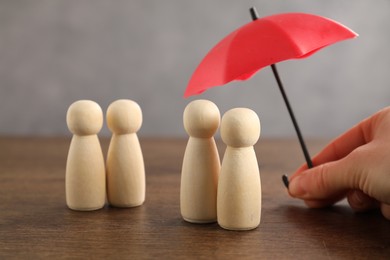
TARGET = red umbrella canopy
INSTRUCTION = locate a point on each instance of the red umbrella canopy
(264, 42)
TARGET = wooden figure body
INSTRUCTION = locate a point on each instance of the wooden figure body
(201, 164)
(125, 164)
(85, 180)
(239, 187)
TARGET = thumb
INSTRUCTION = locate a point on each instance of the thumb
(327, 182)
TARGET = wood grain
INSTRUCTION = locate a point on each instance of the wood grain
(35, 222)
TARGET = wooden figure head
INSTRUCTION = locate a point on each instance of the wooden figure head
(240, 127)
(124, 116)
(84, 117)
(201, 118)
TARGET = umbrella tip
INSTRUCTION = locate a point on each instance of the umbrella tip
(285, 180)
(254, 13)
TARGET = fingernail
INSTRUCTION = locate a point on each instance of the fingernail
(297, 186)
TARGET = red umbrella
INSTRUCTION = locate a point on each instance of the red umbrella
(264, 42)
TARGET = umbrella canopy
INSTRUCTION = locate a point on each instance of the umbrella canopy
(264, 42)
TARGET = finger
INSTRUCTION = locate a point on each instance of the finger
(327, 181)
(345, 144)
(357, 136)
(385, 209)
(334, 151)
(359, 201)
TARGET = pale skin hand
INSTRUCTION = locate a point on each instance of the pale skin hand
(355, 165)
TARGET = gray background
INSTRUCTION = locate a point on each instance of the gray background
(55, 52)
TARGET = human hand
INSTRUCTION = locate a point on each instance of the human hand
(356, 165)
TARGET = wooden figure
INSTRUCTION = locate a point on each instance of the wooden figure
(201, 164)
(239, 188)
(85, 179)
(125, 164)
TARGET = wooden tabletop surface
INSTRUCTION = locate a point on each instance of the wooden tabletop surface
(35, 222)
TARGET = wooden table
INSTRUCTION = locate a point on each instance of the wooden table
(35, 222)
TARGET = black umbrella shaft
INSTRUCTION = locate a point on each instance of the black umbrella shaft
(255, 16)
(254, 13)
(290, 111)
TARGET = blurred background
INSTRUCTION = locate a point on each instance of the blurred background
(54, 52)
